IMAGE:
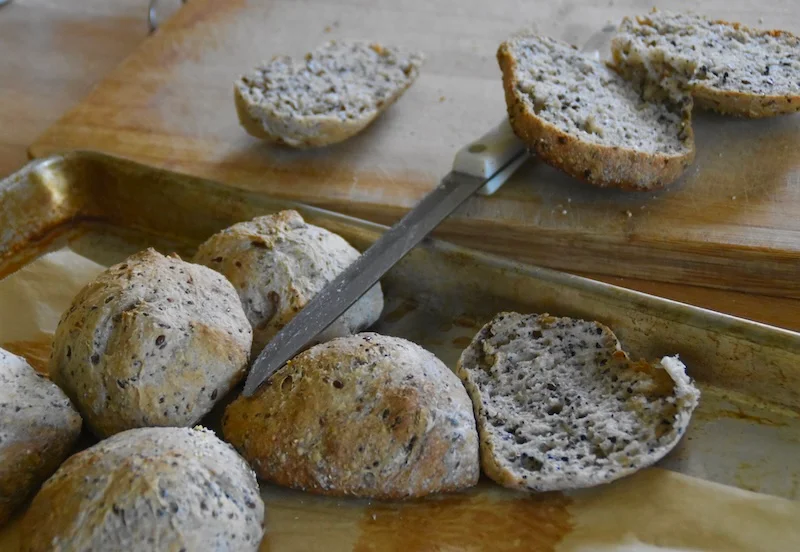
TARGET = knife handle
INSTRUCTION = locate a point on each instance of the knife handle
(495, 155)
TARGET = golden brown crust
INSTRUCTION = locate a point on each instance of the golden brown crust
(741, 104)
(277, 263)
(165, 489)
(603, 166)
(26, 464)
(732, 102)
(250, 124)
(152, 341)
(366, 415)
(38, 429)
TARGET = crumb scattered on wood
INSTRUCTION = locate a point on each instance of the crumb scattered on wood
(628, 214)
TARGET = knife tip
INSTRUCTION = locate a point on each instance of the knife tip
(250, 387)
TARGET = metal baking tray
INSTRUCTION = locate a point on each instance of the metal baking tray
(745, 433)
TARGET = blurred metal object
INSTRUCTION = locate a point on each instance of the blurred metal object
(152, 14)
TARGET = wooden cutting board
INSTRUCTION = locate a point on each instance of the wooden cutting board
(730, 223)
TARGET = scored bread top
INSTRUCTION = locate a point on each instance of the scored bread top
(580, 116)
(335, 92)
(38, 427)
(164, 488)
(277, 263)
(728, 67)
(152, 341)
(366, 415)
(560, 406)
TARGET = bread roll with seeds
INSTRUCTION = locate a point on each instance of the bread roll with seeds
(278, 263)
(166, 489)
(560, 406)
(333, 94)
(38, 428)
(583, 118)
(727, 67)
(152, 341)
(366, 415)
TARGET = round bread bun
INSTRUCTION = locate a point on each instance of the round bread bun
(166, 489)
(153, 341)
(38, 428)
(278, 263)
(365, 415)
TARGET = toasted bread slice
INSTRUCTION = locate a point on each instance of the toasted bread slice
(333, 94)
(583, 118)
(727, 67)
(560, 406)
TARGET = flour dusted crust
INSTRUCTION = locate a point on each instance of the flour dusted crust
(560, 406)
(333, 94)
(38, 428)
(152, 341)
(583, 118)
(146, 489)
(727, 67)
(278, 263)
(366, 415)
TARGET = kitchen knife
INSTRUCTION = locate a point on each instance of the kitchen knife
(482, 166)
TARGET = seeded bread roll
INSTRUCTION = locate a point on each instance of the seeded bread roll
(583, 118)
(166, 489)
(38, 428)
(153, 341)
(727, 67)
(366, 415)
(561, 406)
(333, 94)
(278, 263)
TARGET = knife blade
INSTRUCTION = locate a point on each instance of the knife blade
(482, 166)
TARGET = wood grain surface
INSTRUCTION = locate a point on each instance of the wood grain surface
(51, 54)
(58, 50)
(729, 223)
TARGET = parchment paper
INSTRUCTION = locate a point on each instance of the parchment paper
(33, 298)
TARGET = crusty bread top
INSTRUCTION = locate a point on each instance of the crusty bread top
(38, 428)
(561, 406)
(331, 94)
(31, 406)
(365, 415)
(149, 489)
(277, 263)
(579, 95)
(152, 341)
(714, 58)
